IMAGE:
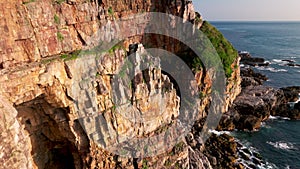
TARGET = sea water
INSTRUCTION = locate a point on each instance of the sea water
(278, 141)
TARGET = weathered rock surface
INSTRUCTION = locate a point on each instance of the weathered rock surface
(48, 114)
(251, 78)
(222, 151)
(15, 146)
(291, 94)
(252, 106)
(288, 107)
(257, 102)
(247, 59)
(40, 122)
(33, 30)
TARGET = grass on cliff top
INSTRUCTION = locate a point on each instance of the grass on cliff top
(224, 48)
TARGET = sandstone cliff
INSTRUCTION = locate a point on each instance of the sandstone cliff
(39, 64)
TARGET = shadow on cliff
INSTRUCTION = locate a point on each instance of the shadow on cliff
(48, 129)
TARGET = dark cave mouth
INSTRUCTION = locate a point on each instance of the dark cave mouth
(43, 122)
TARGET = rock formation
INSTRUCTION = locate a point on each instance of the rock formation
(41, 43)
(256, 103)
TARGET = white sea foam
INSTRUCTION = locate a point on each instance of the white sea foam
(282, 145)
(278, 61)
(273, 117)
(278, 117)
(264, 125)
(271, 69)
(247, 145)
(268, 166)
(298, 98)
(218, 133)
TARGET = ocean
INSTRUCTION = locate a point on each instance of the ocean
(278, 141)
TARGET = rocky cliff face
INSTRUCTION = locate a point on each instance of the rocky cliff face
(39, 120)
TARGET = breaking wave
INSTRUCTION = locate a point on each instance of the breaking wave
(282, 145)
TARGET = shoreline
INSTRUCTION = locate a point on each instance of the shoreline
(256, 104)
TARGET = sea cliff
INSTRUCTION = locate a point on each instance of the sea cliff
(40, 45)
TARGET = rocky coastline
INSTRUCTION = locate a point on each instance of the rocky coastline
(40, 63)
(255, 104)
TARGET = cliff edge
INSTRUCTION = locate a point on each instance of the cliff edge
(40, 61)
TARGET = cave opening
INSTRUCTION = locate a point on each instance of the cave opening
(48, 132)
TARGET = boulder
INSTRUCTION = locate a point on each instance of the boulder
(294, 114)
(248, 72)
(281, 110)
(254, 61)
(249, 123)
(287, 60)
(249, 81)
(223, 149)
(226, 123)
(254, 105)
(293, 65)
(291, 94)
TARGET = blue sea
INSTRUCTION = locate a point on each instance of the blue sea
(278, 141)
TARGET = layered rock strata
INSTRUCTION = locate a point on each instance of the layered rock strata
(39, 66)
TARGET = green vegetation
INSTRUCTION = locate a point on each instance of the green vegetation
(27, 2)
(97, 74)
(114, 108)
(116, 47)
(56, 19)
(145, 164)
(46, 61)
(64, 56)
(110, 11)
(179, 147)
(71, 56)
(197, 64)
(168, 163)
(95, 51)
(198, 18)
(60, 37)
(60, 1)
(224, 48)
(202, 95)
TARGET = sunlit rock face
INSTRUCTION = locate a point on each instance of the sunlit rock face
(41, 122)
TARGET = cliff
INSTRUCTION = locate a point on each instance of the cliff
(41, 64)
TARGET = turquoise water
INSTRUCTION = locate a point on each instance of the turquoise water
(278, 141)
(273, 41)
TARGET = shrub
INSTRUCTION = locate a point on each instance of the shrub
(60, 1)
(224, 48)
(56, 19)
(60, 37)
(110, 11)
